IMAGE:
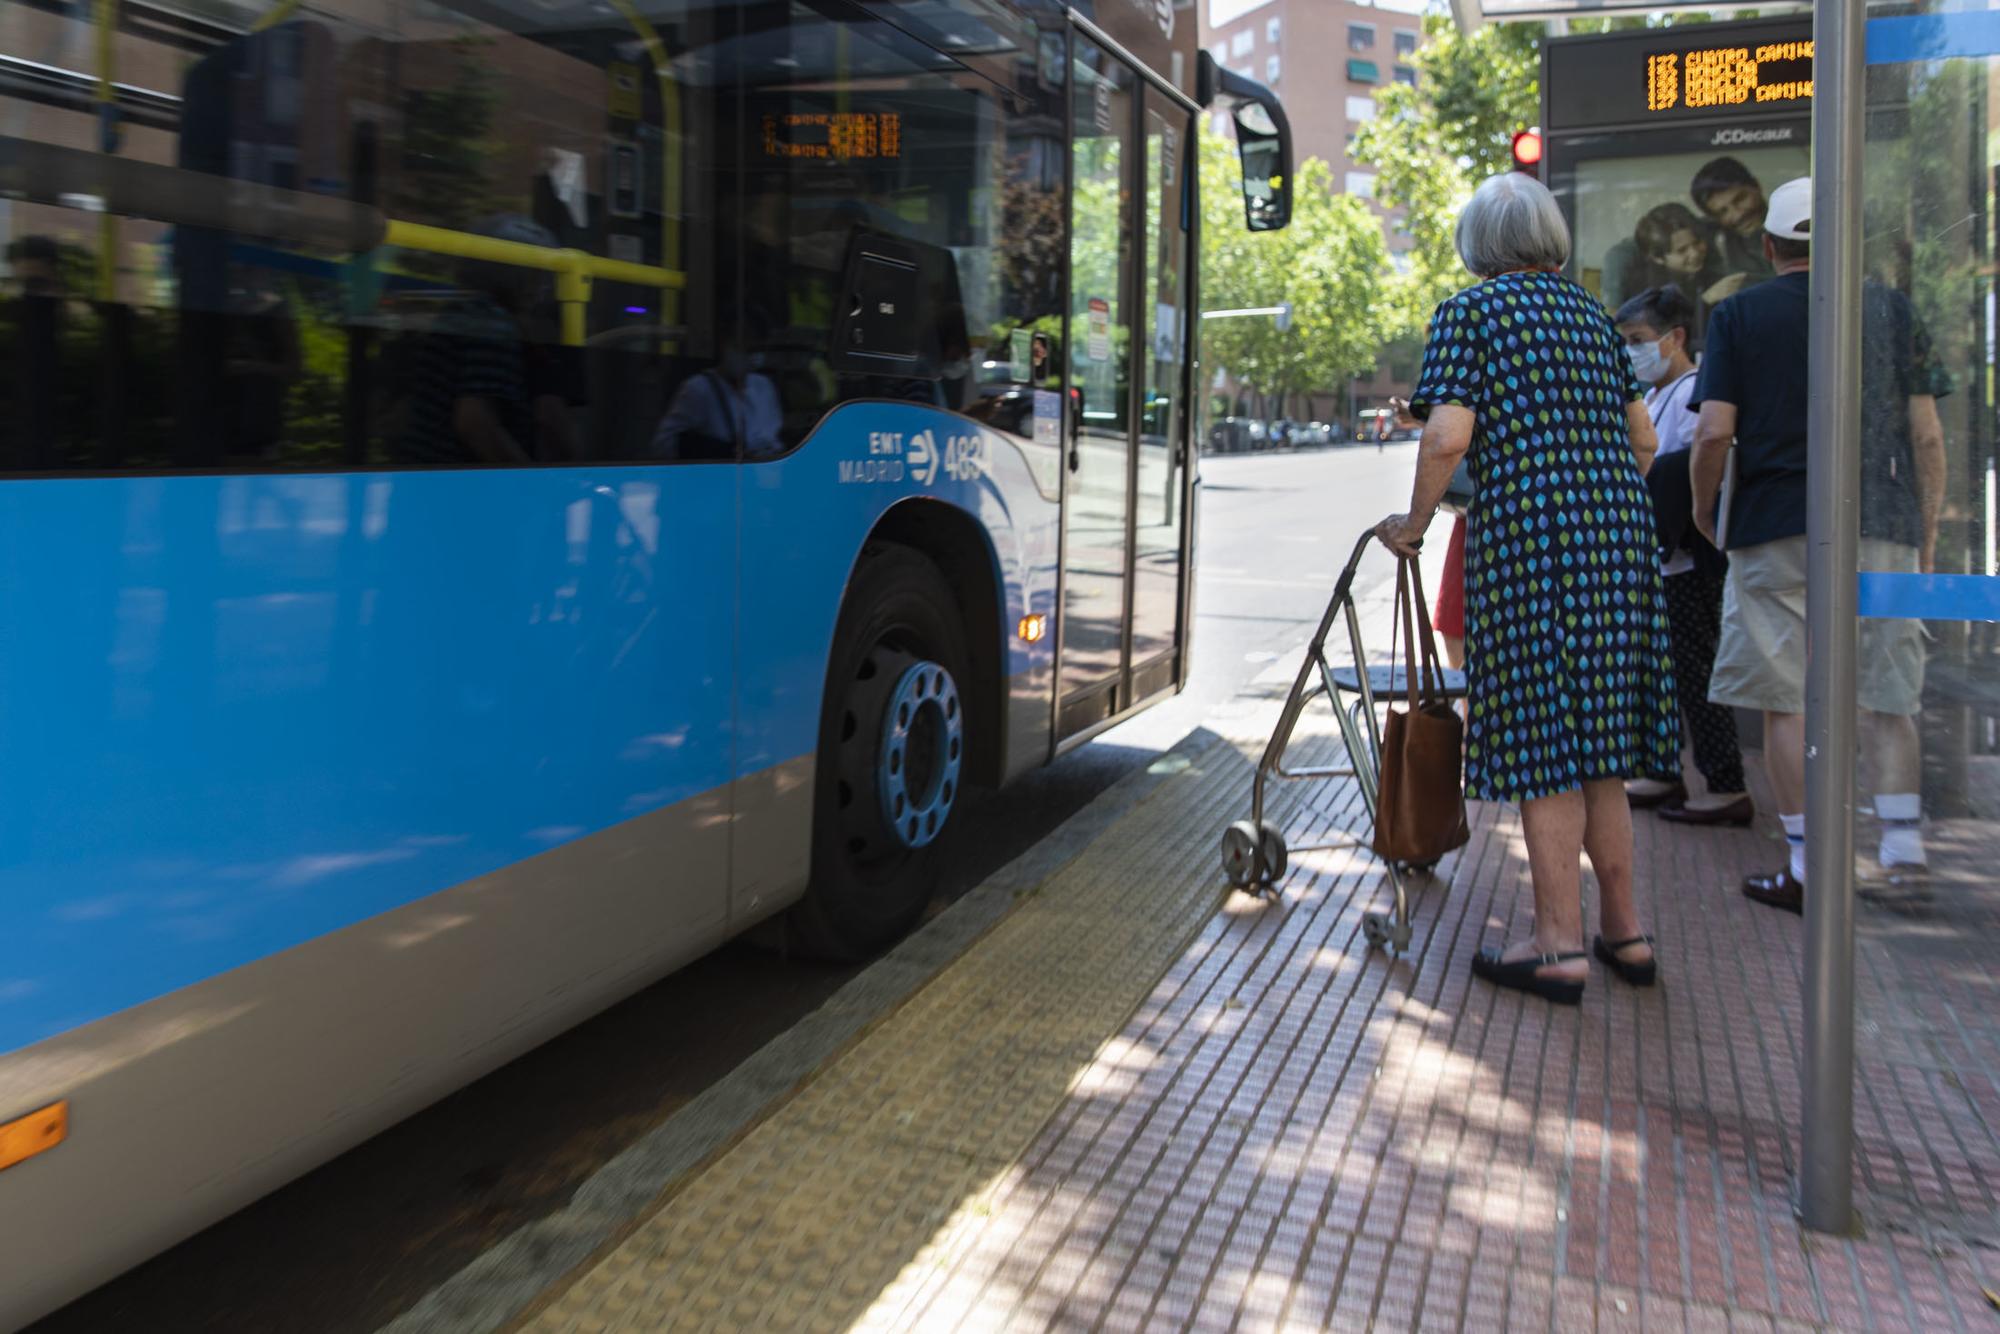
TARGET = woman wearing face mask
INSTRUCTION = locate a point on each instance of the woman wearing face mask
(1656, 326)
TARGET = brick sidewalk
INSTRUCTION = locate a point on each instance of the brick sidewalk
(1293, 1133)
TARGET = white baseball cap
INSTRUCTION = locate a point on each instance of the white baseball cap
(1788, 213)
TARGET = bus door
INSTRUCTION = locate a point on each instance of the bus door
(1125, 467)
(1160, 530)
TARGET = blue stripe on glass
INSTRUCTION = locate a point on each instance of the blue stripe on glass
(1931, 597)
(1896, 41)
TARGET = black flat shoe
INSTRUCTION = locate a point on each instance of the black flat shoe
(1638, 974)
(1665, 797)
(1523, 975)
(1737, 814)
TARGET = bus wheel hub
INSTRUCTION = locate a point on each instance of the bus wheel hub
(923, 746)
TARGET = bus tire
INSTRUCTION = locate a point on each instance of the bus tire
(894, 678)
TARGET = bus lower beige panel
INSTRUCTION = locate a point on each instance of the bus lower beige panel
(190, 1106)
(771, 840)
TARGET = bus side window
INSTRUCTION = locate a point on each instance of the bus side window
(898, 237)
(350, 238)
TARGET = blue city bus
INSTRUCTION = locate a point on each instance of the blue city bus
(497, 498)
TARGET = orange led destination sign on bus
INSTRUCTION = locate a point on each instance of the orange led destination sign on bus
(1726, 76)
(834, 134)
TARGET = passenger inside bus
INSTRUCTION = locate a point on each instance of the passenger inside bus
(293, 332)
(729, 409)
(487, 381)
(260, 364)
(44, 386)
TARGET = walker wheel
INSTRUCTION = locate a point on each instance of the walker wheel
(1253, 855)
(1277, 857)
(1239, 853)
(1384, 933)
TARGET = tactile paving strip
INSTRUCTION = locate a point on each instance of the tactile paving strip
(807, 1218)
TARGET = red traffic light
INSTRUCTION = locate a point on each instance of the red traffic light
(1528, 150)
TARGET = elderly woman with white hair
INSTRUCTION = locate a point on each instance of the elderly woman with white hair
(1567, 652)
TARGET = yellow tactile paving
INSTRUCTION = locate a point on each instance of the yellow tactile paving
(807, 1219)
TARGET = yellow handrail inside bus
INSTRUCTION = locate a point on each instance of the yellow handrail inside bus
(107, 224)
(574, 269)
(670, 149)
(670, 174)
(272, 18)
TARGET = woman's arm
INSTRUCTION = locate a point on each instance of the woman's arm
(1645, 440)
(1447, 435)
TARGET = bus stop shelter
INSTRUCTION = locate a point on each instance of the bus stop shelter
(1905, 153)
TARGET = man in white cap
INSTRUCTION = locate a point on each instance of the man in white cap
(1752, 391)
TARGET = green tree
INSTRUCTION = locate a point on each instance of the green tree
(1330, 264)
(448, 145)
(1431, 144)
(1920, 170)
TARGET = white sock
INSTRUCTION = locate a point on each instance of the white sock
(1901, 814)
(1795, 839)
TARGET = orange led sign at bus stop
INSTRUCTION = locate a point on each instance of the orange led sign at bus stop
(1725, 76)
(1732, 73)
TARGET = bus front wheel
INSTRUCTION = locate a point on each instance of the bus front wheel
(892, 752)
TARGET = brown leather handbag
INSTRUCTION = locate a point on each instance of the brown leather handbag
(1420, 804)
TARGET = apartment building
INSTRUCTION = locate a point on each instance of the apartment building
(1328, 59)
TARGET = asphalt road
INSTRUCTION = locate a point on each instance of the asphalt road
(358, 1241)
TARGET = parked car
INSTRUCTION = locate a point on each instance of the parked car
(1376, 425)
(1234, 435)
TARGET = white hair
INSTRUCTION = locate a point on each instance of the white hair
(1512, 222)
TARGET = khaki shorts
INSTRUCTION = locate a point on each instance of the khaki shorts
(1761, 660)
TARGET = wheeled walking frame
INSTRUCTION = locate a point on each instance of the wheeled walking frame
(1254, 855)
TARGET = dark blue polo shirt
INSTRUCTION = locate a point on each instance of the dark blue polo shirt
(1755, 357)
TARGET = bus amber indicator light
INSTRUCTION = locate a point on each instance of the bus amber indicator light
(1528, 151)
(37, 1132)
(1033, 628)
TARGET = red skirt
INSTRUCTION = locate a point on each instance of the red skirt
(1448, 614)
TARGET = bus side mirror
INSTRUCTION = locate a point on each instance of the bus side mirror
(1263, 142)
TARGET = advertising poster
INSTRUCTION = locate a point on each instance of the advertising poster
(1694, 219)
(1664, 146)
(1097, 330)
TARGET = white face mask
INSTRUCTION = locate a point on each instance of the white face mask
(1647, 363)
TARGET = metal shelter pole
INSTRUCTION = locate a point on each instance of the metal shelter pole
(1833, 430)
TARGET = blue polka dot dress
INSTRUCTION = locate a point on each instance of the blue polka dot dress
(1567, 651)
